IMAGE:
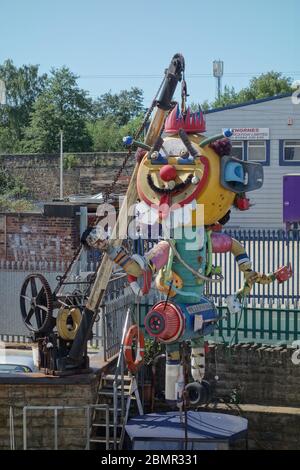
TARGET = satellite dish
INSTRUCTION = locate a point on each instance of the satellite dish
(2, 92)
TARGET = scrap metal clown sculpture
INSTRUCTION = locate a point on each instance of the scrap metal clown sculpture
(187, 183)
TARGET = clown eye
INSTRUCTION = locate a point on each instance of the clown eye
(157, 158)
(189, 160)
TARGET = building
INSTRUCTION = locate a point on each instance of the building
(266, 131)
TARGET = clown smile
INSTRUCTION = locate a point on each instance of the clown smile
(170, 189)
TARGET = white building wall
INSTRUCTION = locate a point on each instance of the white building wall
(267, 212)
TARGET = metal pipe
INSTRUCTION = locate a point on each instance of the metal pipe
(55, 429)
(25, 428)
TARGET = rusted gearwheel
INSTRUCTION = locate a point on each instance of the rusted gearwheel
(36, 302)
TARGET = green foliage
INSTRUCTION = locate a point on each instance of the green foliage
(121, 107)
(13, 193)
(152, 349)
(264, 86)
(23, 86)
(61, 106)
(11, 186)
(15, 205)
(39, 106)
(107, 136)
(70, 161)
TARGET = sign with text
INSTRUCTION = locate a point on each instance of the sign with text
(250, 133)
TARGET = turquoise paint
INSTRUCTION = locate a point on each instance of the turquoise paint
(192, 258)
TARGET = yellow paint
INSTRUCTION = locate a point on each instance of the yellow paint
(164, 288)
(65, 330)
(216, 199)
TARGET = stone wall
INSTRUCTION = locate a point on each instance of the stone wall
(17, 392)
(260, 383)
(33, 237)
(257, 374)
(87, 173)
(270, 427)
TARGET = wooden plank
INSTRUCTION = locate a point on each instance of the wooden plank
(120, 229)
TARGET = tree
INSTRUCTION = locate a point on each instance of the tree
(267, 84)
(108, 136)
(23, 85)
(61, 106)
(264, 86)
(122, 106)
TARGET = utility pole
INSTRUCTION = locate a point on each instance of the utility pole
(61, 168)
(218, 70)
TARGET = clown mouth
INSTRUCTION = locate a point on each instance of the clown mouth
(177, 188)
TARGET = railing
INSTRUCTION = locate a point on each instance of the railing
(118, 299)
(267, 249)
(87, 410)
(259, 324)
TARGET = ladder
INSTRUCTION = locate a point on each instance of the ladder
(120, 391)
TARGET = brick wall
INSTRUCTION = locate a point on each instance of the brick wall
(36, 237)
(90, 173)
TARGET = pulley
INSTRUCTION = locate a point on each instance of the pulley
(67, 322)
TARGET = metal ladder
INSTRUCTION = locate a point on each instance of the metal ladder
(121, 390)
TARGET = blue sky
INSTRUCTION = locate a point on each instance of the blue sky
(138, 37)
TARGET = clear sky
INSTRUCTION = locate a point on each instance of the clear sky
(131, 42)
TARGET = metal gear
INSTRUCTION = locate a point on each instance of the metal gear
(37, 305)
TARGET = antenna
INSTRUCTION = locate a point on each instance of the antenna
(218, 71)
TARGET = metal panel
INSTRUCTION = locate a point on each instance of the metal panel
(267, 202)
(291, 198)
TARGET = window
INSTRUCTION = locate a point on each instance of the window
(238, 149)
(256, 150)
(291, 151)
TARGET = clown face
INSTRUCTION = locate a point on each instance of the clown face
(175, 178)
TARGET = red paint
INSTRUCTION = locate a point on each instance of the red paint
(168, 173)
(283, 273)
(188, 199)
(221, 243)
(131, 278)
(164, 206)
(192, 123)
(165, 322)
(217, 228)
(242, 203)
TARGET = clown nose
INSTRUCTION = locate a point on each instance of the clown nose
(167, 173)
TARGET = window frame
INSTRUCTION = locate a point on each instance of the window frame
(242, 147)
(282, 161)
(266, 162)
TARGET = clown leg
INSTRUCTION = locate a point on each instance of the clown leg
(198, 359)
(199, 390)
(172, 370)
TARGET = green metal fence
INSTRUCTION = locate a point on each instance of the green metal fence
(261, 324)
(267, 324)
